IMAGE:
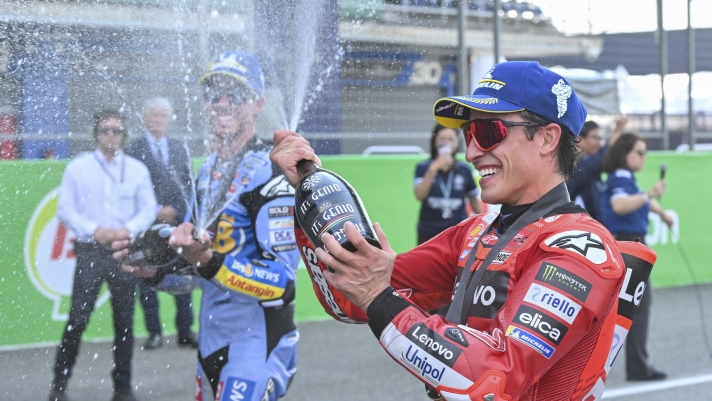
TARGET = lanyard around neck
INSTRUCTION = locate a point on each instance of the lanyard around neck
(106, 171)
(446, 189)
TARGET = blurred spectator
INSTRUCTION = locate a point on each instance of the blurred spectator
(104, 196)
(168, 163)
(442, 184)
(585, 186)
(625, 209)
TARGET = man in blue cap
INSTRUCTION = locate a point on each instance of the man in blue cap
(245, 248)
(532, 291)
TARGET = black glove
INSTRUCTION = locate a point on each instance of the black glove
(150, 247)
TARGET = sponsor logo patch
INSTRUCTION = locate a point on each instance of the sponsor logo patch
(281, 236)
(564, 280)
(280, 211)
(542, 324)
(586, 244)
(501, 257)
(530, 340)
(490, 295)
(488, 240)
(435, 345)
(464, 254)
(456, 335)
(552, 301)
(269, 389)
(418, 361)
(237, 389)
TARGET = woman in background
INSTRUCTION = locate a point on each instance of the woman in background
(624, 211)
(443, 184)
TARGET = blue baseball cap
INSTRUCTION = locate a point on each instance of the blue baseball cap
(516, 86)
(238, 65)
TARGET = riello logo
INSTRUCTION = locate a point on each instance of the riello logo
(49, 257)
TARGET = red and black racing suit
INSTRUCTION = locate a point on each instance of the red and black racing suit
(539, 327)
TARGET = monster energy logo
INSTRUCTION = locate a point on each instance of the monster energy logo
(564, 280)
(549, 271)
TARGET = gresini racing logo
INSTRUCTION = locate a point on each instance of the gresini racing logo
(587, 244)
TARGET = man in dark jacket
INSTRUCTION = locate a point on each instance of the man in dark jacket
(168, 163)
(585, 187)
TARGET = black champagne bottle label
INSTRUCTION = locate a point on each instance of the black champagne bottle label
(325, 202)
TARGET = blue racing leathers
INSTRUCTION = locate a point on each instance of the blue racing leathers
(248, 338)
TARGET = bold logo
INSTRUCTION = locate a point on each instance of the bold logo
(419, 363)
(490, 295)
(237, 389)
(50, 259)
(280, 211)
(311, 181)
(431, 342)
(277, 186)
(501, 257)
(553, 301)
(544, 324)
(587, 244)
(564, 280)
(563, 93)
(531, 341)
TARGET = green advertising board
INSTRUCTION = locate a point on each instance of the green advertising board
(38, 263)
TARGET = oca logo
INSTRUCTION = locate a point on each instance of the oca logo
(49, 256)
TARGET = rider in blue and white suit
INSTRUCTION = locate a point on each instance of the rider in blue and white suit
(247, 257)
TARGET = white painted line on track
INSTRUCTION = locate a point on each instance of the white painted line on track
(662, 385)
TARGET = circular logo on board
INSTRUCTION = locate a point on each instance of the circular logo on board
(49, 256)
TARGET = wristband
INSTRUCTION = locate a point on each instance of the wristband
(646, 197)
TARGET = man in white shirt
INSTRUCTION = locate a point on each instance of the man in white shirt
(104, 196)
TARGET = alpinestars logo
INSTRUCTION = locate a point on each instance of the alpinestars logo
(563, 93)
(588, 244)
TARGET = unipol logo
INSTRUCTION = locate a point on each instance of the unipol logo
(49, 256)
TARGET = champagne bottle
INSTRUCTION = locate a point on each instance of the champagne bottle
(324, 202)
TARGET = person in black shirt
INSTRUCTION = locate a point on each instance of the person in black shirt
(442, 184)
(168, 163)
(585, 187)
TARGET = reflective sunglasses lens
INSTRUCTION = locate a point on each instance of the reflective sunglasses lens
(487, 133)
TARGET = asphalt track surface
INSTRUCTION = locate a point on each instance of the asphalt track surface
(345, 362)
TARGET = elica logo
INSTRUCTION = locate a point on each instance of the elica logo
(237, 389)
(49, 257)
(434, 344)
(553, 301)
(542, 323)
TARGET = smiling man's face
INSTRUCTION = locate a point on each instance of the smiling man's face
(231, 107)
(511, 170)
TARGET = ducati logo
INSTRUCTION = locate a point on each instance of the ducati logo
(587, 244)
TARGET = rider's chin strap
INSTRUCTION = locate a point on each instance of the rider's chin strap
(458, 311)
